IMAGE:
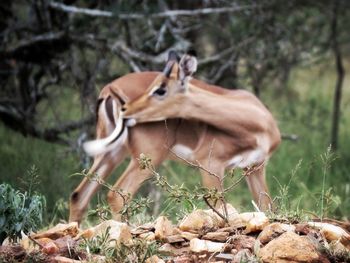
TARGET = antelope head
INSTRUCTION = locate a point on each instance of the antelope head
(165, 97)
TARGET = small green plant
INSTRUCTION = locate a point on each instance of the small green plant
(137, 252)
(100, 245)
(285, 211)
(19, 212)
(326, 197)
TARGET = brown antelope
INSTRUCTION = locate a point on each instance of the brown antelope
(217, 127)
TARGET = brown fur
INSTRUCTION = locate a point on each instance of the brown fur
(212, 145)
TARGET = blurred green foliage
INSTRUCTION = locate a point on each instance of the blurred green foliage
(19, 212)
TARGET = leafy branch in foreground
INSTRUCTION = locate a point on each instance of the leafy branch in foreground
(130, 206)
(19, 212)
(212, 197)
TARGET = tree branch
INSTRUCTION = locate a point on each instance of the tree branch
(136, 16)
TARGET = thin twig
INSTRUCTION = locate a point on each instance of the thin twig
(36, 242)
(234, 184)
(197, 164)
(214, 209)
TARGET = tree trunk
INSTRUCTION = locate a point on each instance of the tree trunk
(340, 77)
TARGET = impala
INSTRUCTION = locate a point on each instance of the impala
(163, 113)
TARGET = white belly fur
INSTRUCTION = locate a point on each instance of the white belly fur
(247, 158)
(183, 151)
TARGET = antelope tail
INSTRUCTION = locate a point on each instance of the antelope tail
(115, 140)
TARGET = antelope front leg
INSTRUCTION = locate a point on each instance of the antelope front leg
(257, 185)
(212, 175)
(126, 186)
(103, 166)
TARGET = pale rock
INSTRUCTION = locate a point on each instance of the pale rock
(50, 248)
(163, 228)
(241, 242)
(188, 235)
(338, 248)
(118, 232)
(183, 259)
(231, 213)
(332, 232)
(199, 220)
(174, 239)
(60, 230)
(254, 221)
(148, 227)
(274, 230)
(168, 249)
(198, 246)
(149, 236)
(26, 243)
(154, 259)
(60, 259)
(290, 247)
(216, 236)
(225, 256)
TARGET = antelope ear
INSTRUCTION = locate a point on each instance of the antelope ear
(187, 66)
(173, 58)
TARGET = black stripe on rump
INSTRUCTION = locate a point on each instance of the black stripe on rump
(109, 109)
(121, 132)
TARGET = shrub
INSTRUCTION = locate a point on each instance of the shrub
(19, 212)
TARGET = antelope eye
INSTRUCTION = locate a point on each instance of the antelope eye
(161, 91)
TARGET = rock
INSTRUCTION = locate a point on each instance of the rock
(168, 249)
(198, 246)
(224, 256)
(154, 259)
(240, 242)
(338, 248)
(163, 228)
(243, 255)
(290, 247)
(60, 259)
(233, 229)
(12, 253)
(174, 239)
(118, 232)
(183, 259)
(216, 236)
(231, 213)
(149, 236)
(274, 230)
(303, 228)
(332, 232)
(58, 231)
(43, 241)
(50, 248)
(143, 229)
(188, 235)
(65, 242)
(199, 220)
(254, 221)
